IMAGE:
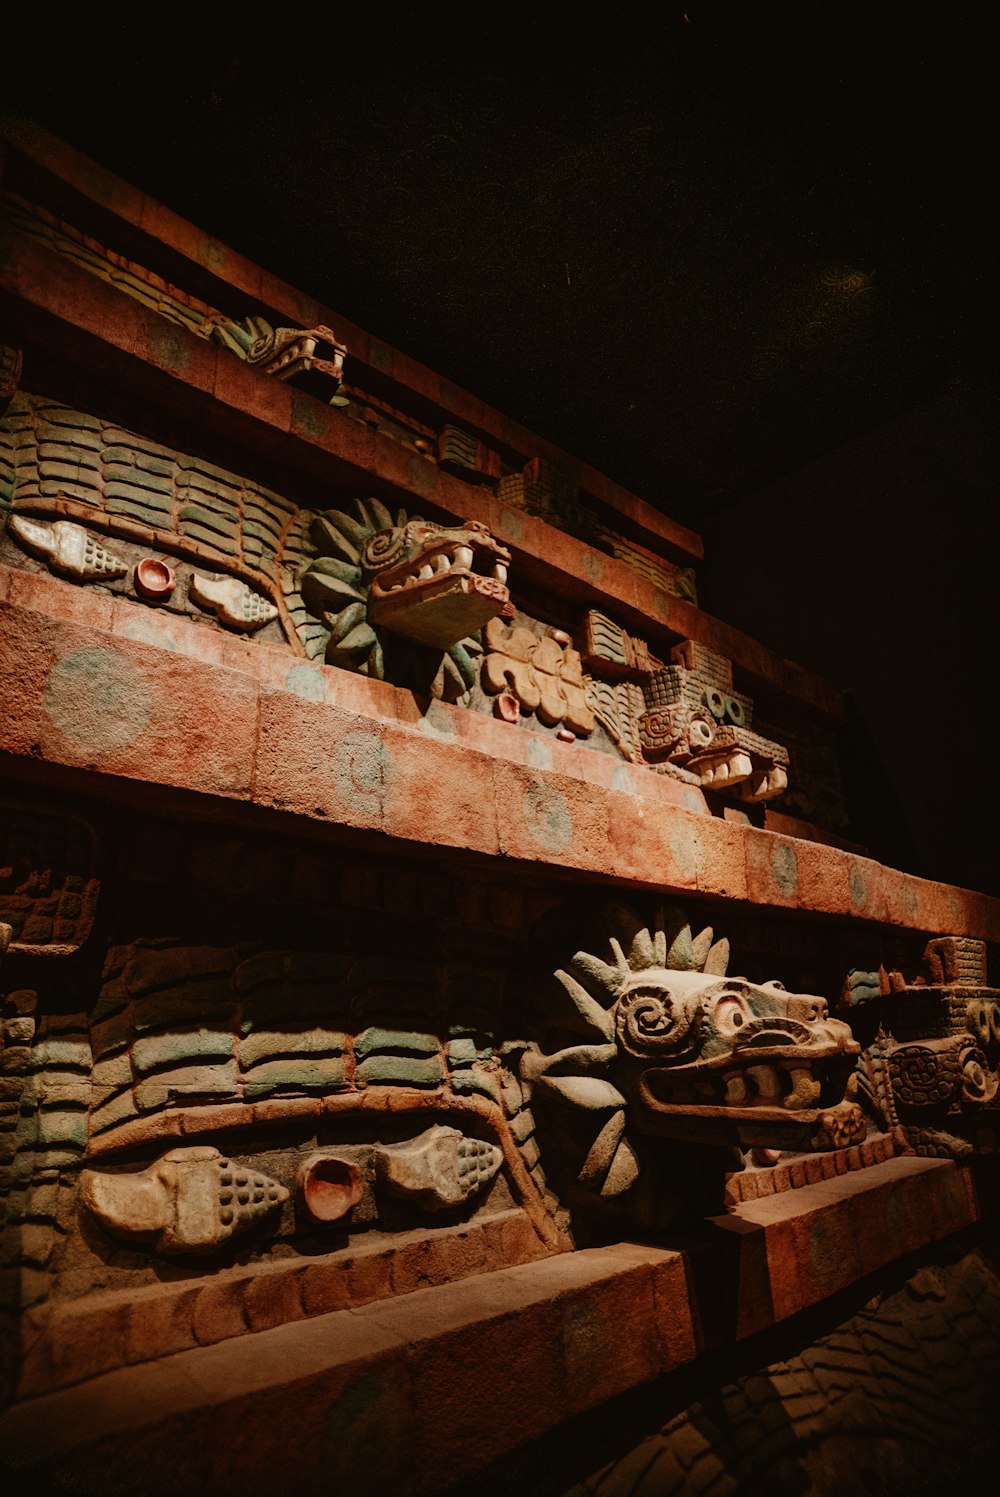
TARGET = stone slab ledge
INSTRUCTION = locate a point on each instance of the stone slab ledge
(97, 699)
(413, 1394)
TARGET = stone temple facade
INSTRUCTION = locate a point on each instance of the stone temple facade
(438, 996)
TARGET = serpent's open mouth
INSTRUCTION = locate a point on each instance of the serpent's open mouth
(777, 1081)
(445, 590)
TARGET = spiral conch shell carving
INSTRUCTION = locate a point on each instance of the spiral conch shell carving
(190, 1201)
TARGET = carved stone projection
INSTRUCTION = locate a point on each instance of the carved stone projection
(696, 720)
(932, 1067)
(543, 673)
(427, 584)
(231, 601)
(191, 1201)
(610, 651)
(283, 352)
(617, 665)
(465, 456)
(671, 1047)
(544, 489)
(683, 719)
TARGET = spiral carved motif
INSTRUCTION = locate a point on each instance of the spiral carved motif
(925, 1076)
(385, 548)
(651, 1022)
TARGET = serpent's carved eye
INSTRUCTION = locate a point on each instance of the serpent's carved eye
(731, 1013)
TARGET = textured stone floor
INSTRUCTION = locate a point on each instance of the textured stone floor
(899, 1396)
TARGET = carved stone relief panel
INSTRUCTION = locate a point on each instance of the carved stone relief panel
(49, 876)
(931, 1065)
(427, 584)
(283, 352)
(317, 1077)
(314, 359)
(376, 593)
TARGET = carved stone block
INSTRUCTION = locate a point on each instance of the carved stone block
(232, 601)
(671, 1047)
(11, 360)
(932, 1068)
(609, 651)
(464, 455)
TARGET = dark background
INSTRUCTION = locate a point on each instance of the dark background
(734, 254)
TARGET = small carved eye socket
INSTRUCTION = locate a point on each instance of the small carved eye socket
(973, 1079)
(730, 1012)
(978, 1021)
(715, 701)
(774, 983)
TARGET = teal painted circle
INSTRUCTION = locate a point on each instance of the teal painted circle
(212, 253)
(622, 780)
(785, 867)
(859, 889)
(308, 415)
(548, 817)
(304, 681)
(693, 799)
(360, 764)
(97, 699)
(511, 525)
